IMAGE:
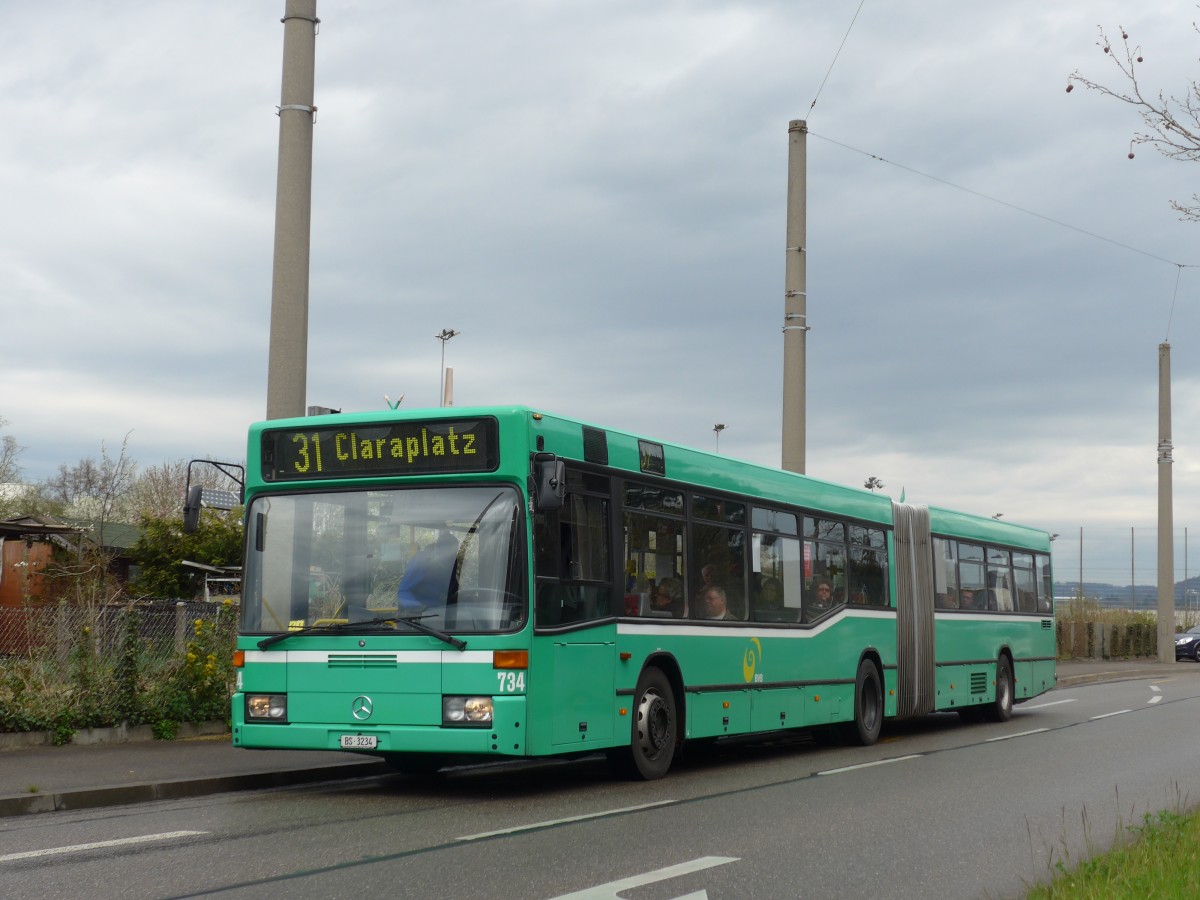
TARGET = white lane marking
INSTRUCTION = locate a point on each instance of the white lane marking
(1025, 706)
(612, 889)
(1154, 700)
(95, 845)
(879, 762)
(1119, 712)
(552, 822)
(1005, 737)
(1156, 688)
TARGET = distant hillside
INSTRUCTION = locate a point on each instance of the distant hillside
(1139, 596)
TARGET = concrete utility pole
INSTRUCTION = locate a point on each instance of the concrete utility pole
(795, 300)
(1166, 516)
(287, 364)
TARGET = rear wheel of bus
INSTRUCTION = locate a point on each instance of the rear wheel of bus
(868, 706)
(654, 731)
(1000, 710)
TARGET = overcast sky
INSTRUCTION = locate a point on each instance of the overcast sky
(593, 194)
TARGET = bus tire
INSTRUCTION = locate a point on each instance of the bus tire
(868, 706)
(1000, 709)
(655, 728)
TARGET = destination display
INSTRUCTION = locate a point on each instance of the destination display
(393, 448)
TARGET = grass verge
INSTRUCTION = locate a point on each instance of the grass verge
(1161, 859)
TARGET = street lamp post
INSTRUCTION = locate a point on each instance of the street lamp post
(717, 429)
(444, 335)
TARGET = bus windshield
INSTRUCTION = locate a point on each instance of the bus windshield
(447, 556)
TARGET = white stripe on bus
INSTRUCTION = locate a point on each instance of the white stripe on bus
(756, 629)
(402, 657)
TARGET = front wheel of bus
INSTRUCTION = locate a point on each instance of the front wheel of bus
(1001, 708)
(654, 729)
(868, 706)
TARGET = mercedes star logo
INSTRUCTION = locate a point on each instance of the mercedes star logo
(361, 708)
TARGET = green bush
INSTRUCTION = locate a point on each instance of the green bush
(124, 679)
(197, 687)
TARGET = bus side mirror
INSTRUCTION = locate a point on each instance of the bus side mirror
(197, 497)
(550, 481)
(191, 509)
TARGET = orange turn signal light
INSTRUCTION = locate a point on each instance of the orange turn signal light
(510, 659)
(239, 659)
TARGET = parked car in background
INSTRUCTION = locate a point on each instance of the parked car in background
(1187, 644)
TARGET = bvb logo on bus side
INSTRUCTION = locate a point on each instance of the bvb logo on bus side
(750, 661)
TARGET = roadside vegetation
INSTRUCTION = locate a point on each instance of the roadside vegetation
(86, 647)
(123, 673)
(1159, 858)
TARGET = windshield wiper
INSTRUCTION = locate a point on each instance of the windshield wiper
(414, 621)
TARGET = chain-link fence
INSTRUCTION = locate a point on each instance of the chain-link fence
(164, 626)
(67, 666)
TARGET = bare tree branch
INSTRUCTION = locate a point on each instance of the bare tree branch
(9, 451)
(1173, 122)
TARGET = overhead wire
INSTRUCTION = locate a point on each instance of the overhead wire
(1013, 206)
(1029, 212)
(1179, 267)
(845, 37)
(1174, 296)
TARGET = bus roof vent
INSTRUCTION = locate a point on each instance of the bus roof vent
(595, 446)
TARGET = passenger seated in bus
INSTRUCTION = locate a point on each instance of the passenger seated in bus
(708, 578)
(714, 604)
(823, 595)
(667, 599)
(821, 602)
(966, 599)
(770, 594)
(999, 596)
(429, 576)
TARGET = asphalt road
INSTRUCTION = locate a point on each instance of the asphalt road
(937, 809)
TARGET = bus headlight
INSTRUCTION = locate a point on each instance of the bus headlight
(266, 707)
(467, 711)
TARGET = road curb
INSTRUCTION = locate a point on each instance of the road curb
(118, 734)
(91, 798)
(1121, 674)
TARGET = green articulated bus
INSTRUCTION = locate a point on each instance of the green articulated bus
(424, 585)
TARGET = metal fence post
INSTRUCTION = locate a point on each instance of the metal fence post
(62, 633)
(180, 626)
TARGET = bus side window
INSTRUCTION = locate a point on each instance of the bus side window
(1024, 582)
(971, 577)
(945, 573)
(867, 568)
(718, 558)
(571, 562)
(777, 578)
(654, 551)
(1045, 584)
